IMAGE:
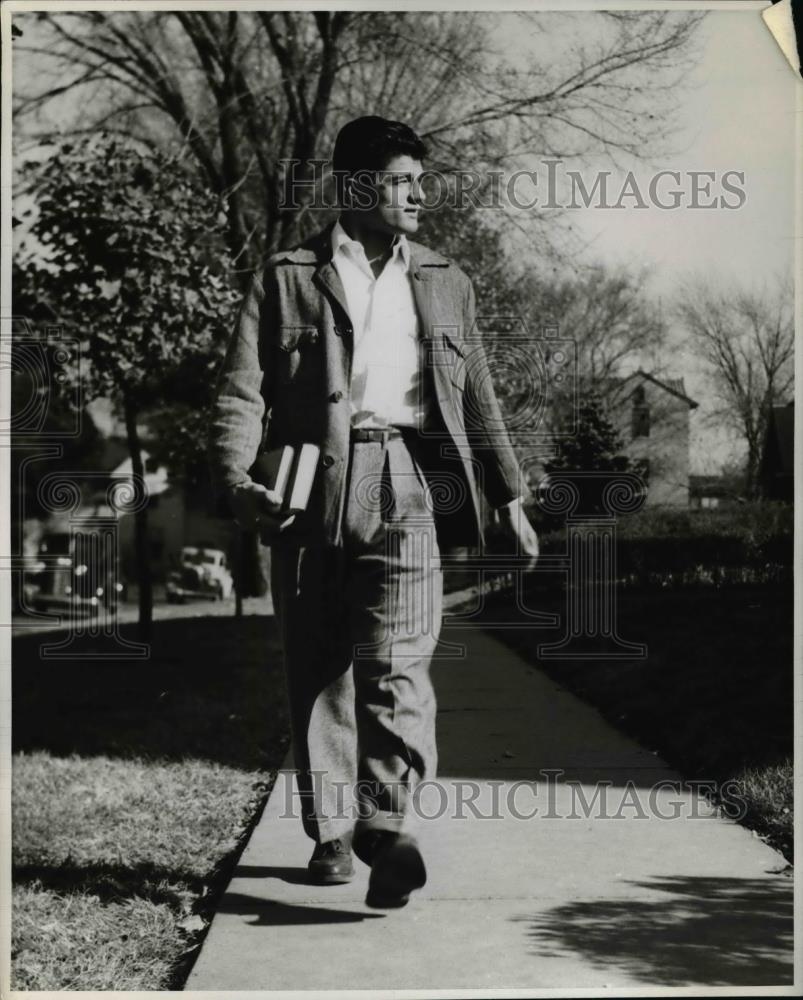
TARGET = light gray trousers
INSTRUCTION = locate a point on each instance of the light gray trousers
(359, 624)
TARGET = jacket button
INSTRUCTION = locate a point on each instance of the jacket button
(328, 460)
(336, 396)
(341, 329)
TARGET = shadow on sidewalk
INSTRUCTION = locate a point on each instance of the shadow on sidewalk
(699, 930)
(267, 912)
(293, 876)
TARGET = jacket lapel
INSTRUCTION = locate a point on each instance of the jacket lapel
(328, 280)
(427, 272)
(425, 268)
(326, 277)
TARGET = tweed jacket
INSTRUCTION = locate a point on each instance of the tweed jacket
(285, 379)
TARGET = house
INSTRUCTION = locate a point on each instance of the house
(776, 474)
(653, 417)
(177, 516)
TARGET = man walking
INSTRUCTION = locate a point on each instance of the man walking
(358, 340)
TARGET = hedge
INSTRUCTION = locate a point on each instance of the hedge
(749, 543)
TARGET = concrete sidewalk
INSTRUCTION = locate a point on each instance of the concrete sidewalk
(587, 893)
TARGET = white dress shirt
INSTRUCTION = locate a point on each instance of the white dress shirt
(386, 385)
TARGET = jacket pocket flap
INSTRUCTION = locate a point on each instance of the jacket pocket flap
(453, 339)
(293, 338)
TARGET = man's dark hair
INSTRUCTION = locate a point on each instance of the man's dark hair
(369, 143)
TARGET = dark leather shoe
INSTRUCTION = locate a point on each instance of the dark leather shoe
(397, 868)
(331, 863)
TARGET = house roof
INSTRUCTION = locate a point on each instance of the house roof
(156, 479)
(674, 385)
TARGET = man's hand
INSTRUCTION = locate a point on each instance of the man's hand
(515, 524)
(255, 506)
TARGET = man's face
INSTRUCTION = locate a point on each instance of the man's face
(393, 197)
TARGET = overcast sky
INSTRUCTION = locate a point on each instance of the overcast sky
(737, 113)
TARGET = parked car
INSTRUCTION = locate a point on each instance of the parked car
(202, 573)
(60, 577)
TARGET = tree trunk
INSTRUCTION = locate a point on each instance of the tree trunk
(238, 572)
(752, 484)
(141, 540)
(255, 583)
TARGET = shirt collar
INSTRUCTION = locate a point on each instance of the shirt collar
(341, 239)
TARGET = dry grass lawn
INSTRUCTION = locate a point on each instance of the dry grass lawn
(134, 785)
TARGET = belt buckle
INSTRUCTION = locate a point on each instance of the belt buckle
(382, 434)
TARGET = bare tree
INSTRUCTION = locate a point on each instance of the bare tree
(610, 318)
(256, 97)
(746, 340)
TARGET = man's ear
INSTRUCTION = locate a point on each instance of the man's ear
(347, 193)
(362, 193)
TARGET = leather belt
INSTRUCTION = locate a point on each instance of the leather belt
(383, 434)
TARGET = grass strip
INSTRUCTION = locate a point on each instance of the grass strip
(713, 696)
(134, 788)
(117, 863)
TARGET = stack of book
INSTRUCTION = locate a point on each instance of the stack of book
(288, 470)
